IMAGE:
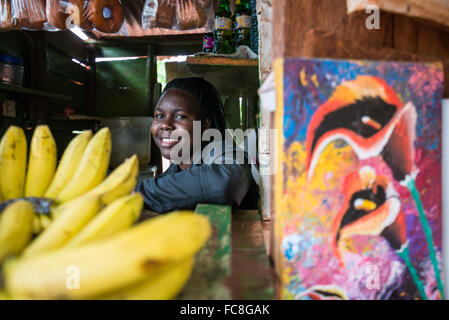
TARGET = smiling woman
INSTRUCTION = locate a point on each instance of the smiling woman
(188, 105)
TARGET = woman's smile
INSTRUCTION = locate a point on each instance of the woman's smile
(168, 142)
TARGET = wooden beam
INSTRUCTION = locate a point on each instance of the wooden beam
(91, 80)
(151, 80)
(37, 52)
(155, 40)
(436, 11)
(151, 77)
(141, 50)
(33, 92)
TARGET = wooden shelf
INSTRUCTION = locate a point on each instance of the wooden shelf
(25, 91)
(75, 117)
(222, 61)
(436, 11)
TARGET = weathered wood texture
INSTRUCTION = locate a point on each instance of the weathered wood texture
(213, 262)
(436, 11)
(322, 29)
(265, 22)
(233, 264)
(251, 274)
(221, 61)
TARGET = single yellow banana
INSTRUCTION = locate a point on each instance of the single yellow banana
(41, 163)
(92, 168)
(16, 226)
(73, 216)
(116, 217)
(37, 226)
(40, 223)
(13, 159)
(69, 163)
(104, 266)
(120, 182)
(45, 221)
(164, 285)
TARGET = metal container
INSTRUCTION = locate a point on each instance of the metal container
(11, 70)
(130, 135)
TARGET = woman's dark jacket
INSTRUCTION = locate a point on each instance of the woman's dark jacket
(223, 184)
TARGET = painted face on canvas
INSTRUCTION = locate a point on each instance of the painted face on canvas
(361, 189)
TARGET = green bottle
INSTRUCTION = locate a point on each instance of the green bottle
(243, 23)
(223, 29)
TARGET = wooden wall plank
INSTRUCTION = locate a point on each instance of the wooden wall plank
(436, 11)
(294, 18)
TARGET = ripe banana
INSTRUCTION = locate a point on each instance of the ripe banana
(37, 226)
(120, 182)
(16, 224)
(42, 162)
(72, 217)
(163, 285)
(40, 223)
(103, 266)
(13, 158)
(45, 221)
(92, 168)
(116, 217)
(69, 162)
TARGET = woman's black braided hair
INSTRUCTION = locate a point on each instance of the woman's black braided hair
(206, 97)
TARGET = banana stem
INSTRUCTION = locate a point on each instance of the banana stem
(427, 232)
(404, 254)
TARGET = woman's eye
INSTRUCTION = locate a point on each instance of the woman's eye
(159, 116)
(180, 116)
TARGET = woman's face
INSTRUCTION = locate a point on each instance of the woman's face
(175, 110)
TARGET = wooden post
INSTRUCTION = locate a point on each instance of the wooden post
(251, 113)
(244, 107)
(91, 79)
(151, 78)
(38, 75)
(265, 20)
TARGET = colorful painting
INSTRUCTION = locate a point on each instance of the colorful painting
(358, 205)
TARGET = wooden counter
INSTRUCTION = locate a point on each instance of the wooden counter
(234, 264)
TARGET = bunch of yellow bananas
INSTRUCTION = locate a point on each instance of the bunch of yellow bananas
(90, 247)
